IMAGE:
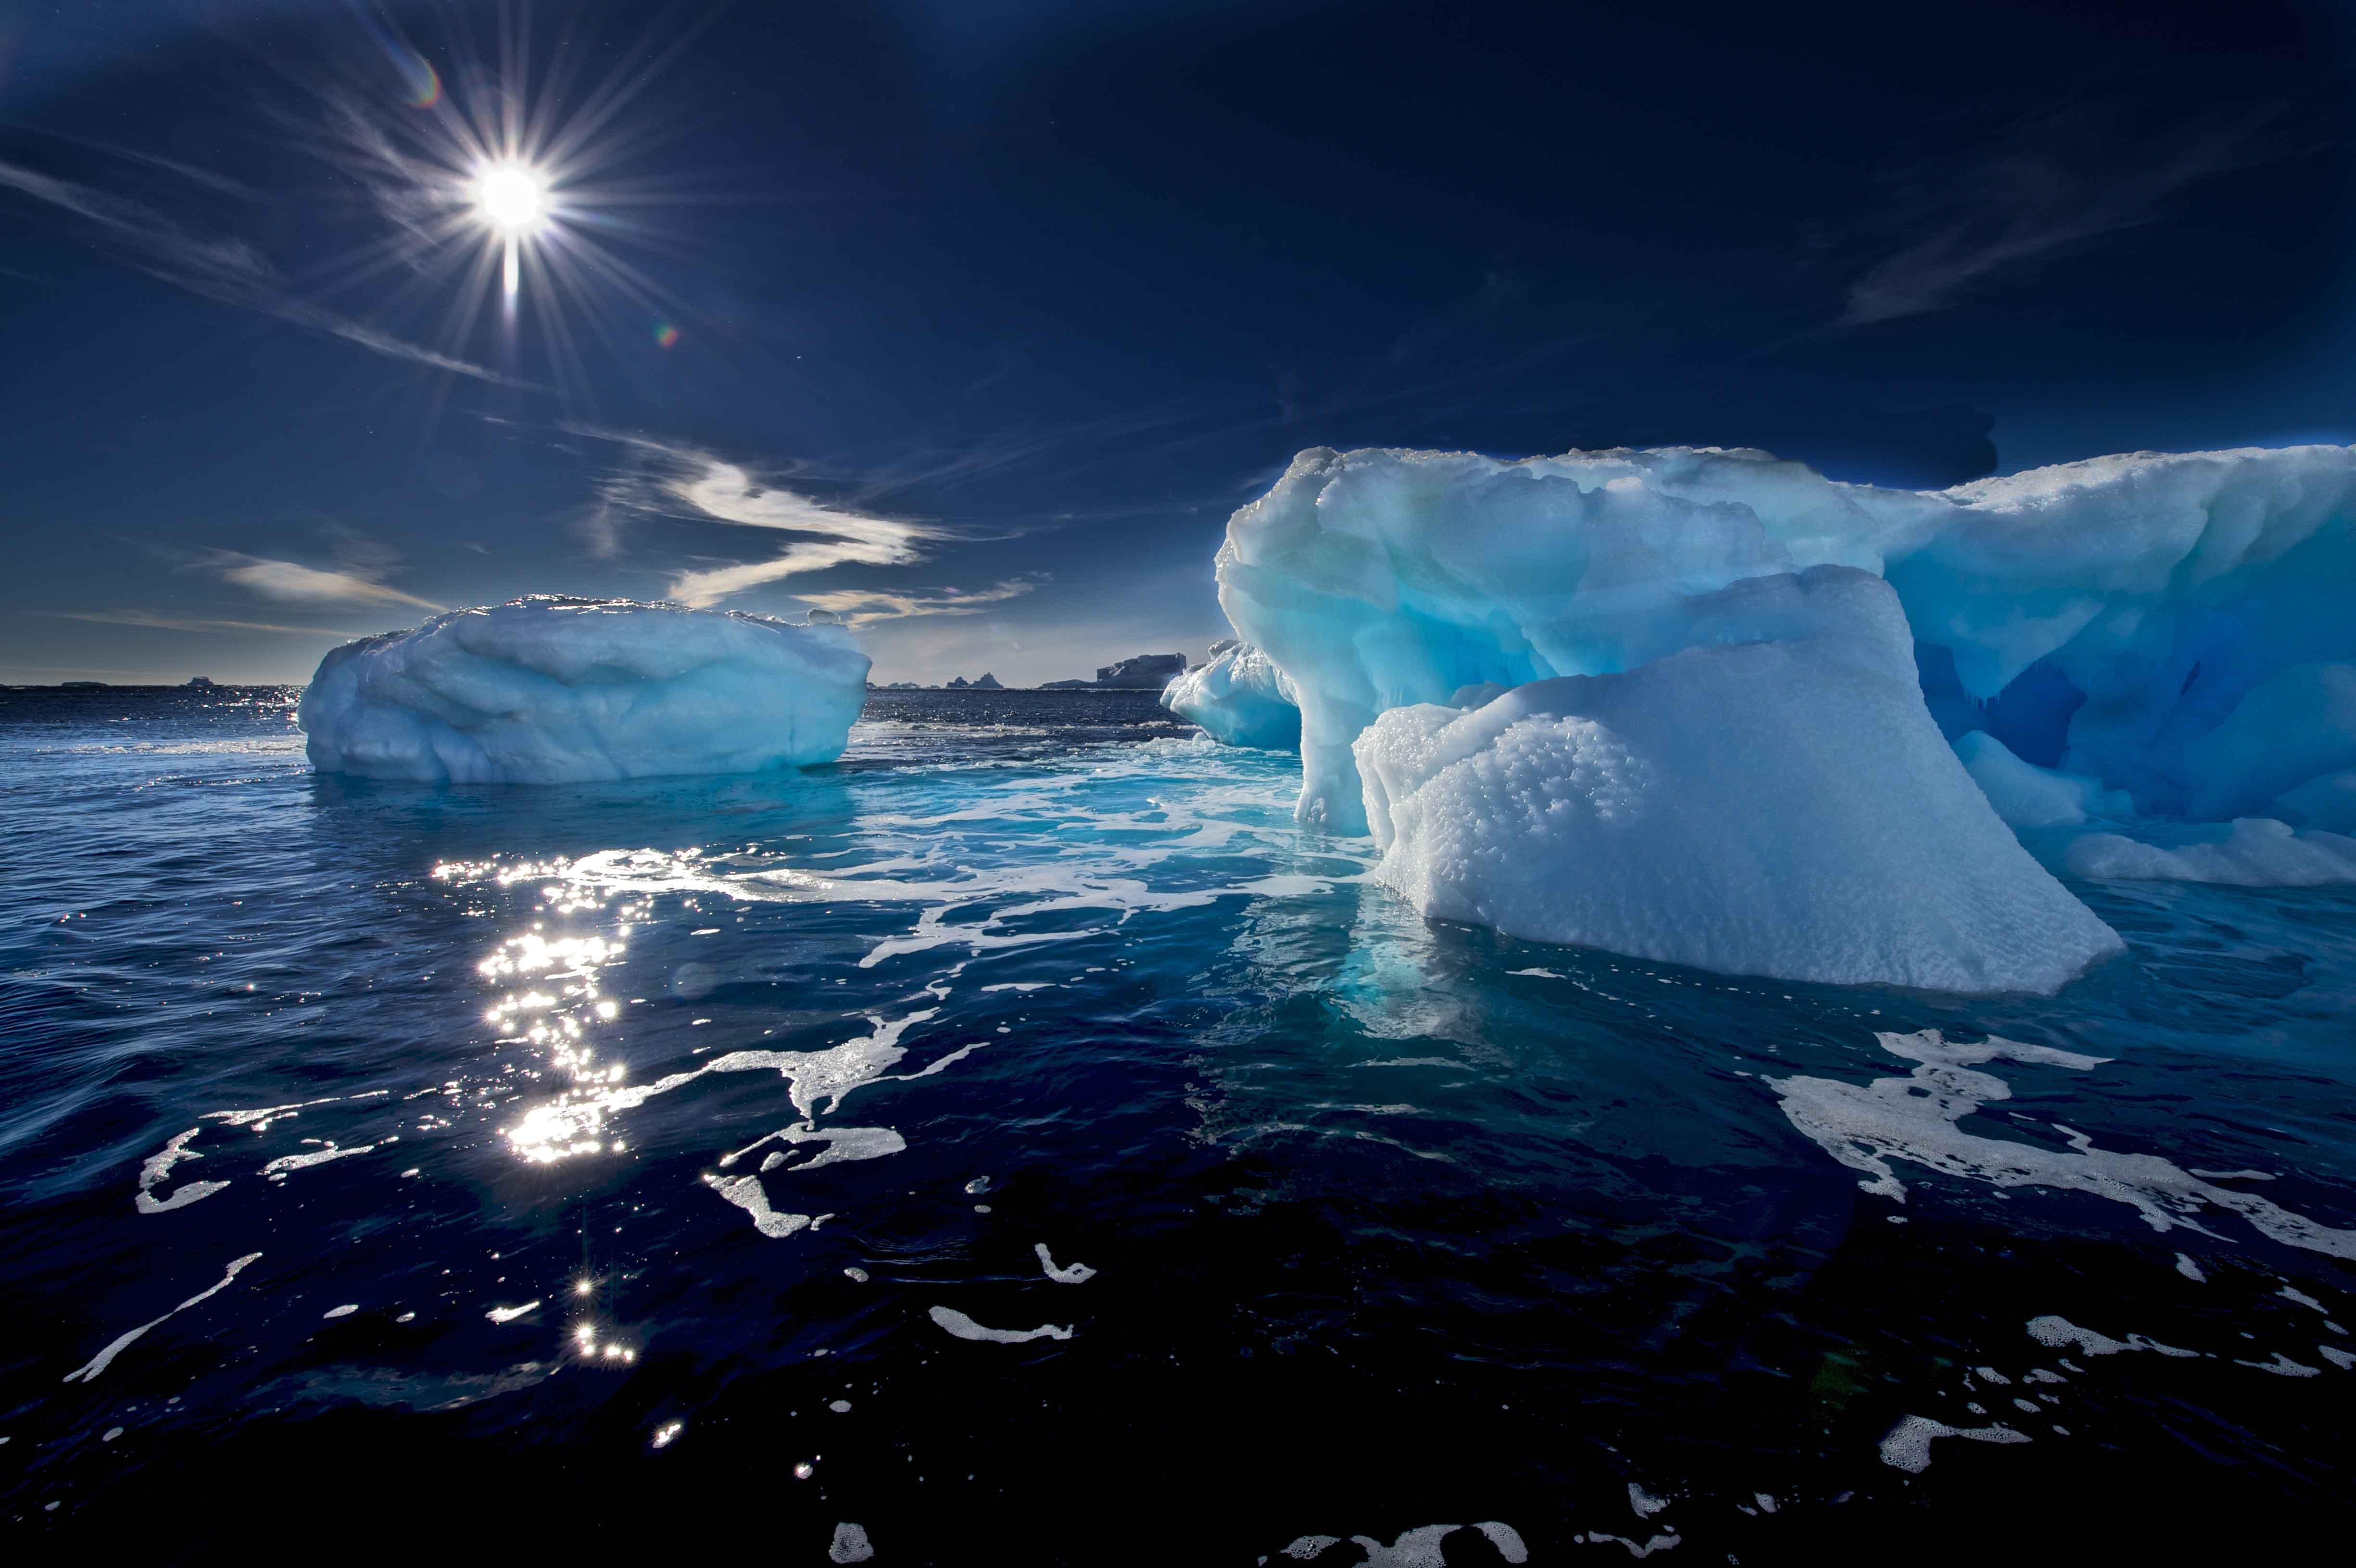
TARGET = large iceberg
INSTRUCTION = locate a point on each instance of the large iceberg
(2146, 661)
(1772, 799)
(1239, 698)
(561, 691)
(2173, 626)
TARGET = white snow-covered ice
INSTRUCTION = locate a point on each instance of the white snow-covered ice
(1239, 698)
(559, 691)
(1773, 800)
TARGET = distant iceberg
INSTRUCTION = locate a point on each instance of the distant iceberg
(561, 690)
(1239, 698)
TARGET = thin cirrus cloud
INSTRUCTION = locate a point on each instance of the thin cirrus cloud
(669, 480)
(291, 582)
(2050, 183)
(228, 270)
(861, 606)
(148, 618)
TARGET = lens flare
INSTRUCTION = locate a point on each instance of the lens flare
(666, 336)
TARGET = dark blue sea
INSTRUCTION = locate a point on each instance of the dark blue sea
(715, 1167)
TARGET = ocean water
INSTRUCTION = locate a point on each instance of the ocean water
(389, 1168)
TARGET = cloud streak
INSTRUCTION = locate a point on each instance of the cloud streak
(150, 619)
(2053, 182)
(669, 480)
(291, 582)
(225, 270)
(863, 606)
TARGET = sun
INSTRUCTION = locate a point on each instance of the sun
(512, 198)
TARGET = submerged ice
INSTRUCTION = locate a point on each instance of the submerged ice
(558, 690)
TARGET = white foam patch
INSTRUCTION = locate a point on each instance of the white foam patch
(1915, 1118)
(509, 1314)
(1645, 1504)
(575, 1120)
(851, 1544)
(841, 1143)
(1908, 1445)
(344, 1311)
(2283, 1366)
(1505, 1539)
(1071, 1274)
(2189, 1270)
(747, 1193)
(153, 1170)
(1419, 1548)
(1652, 1545)
(2338, 1356)
(287, 1164)
(965, 1328)
(2060, 1333)
(1170, 852)
(89, 1372)
(2292, 1292)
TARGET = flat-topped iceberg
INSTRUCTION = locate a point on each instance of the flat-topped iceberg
(1239, 698)
(561, 691)
(1772, 800)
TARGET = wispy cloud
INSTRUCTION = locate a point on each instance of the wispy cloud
(666, 479)
(2051, 182)
(861, 606)
(291, 582)
(184, 623)
(221, 267)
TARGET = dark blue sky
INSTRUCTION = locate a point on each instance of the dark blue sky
(974, 319)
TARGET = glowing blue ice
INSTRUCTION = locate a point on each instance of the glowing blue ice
(1239, 698)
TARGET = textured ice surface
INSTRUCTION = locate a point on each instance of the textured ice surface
(1772, 800)
(552, 690)
(1239, 699)
(2173, 625)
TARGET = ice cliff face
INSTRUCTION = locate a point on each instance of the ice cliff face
(1239, 698)
(554, 690)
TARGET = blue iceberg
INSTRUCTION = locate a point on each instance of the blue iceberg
(561, 690)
